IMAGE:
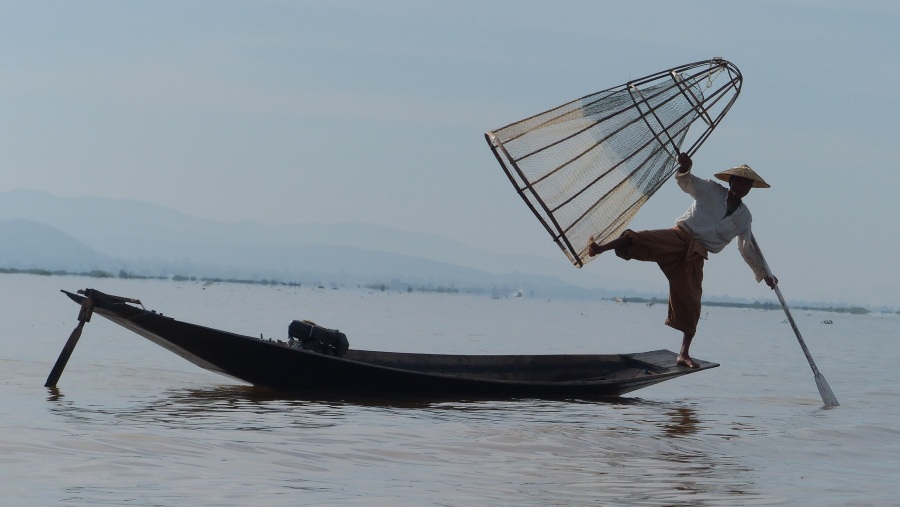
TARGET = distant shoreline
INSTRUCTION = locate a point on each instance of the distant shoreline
(855, 310)
(101, 274)
(757, 305)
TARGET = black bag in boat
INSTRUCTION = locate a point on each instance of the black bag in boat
(318, 339)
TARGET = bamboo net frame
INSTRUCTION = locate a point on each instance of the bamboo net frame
(585, 168)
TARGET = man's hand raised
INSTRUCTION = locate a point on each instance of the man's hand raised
(685, 162)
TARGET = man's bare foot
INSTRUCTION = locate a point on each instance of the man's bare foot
(594, 249)
(685, 361)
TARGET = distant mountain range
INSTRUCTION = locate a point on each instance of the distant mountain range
(29, 244)
(42, 231)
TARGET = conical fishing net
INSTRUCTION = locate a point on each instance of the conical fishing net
(586, 167)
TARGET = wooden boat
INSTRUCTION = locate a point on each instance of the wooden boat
(283, 366)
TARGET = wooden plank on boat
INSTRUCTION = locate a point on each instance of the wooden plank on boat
(666, 359)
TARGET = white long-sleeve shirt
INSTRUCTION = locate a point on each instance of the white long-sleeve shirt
(706, 221)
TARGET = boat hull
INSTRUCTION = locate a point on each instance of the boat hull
(279, 365)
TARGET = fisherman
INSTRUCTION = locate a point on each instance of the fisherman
(717, 216)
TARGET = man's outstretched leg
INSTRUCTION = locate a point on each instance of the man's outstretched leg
(684, 358)
(621, 243)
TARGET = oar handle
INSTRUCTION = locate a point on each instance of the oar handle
(828, 396)
(787, 311)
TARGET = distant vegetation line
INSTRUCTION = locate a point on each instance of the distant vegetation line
(757, 305)
(97, 273)
(399, 285)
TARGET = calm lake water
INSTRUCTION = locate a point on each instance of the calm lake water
(133, 424)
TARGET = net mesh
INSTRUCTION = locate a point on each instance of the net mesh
(586, 167)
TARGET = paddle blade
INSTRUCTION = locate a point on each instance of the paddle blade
(64, 355)
(828, 396)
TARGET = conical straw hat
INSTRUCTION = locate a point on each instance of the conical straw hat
(743, 171)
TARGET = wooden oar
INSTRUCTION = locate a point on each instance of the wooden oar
(824, 390)
(87, 308)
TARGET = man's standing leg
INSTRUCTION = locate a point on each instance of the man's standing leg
(685, 292)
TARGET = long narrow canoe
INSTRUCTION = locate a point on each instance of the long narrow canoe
(285, 366)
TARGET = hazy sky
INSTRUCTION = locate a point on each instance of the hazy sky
(374, 112)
